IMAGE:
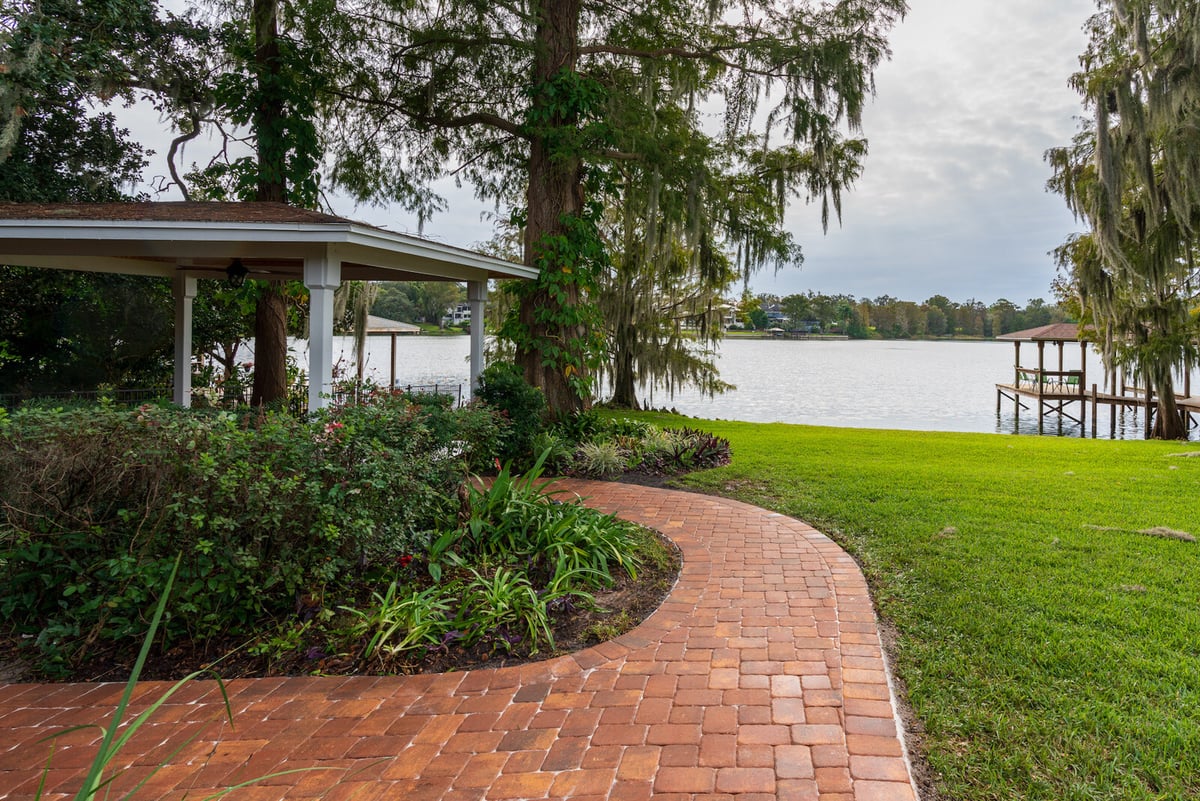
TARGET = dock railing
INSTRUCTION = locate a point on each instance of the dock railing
(1050, 382)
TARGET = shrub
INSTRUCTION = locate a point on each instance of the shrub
(470, 433)
(268, 510)
(503, 388)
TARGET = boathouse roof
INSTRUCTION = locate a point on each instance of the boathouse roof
(1055, 332)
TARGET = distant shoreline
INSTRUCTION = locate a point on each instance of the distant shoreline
(800, 337)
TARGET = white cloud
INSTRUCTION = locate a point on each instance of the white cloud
(953, 198)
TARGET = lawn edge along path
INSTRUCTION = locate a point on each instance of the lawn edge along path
(761, 676)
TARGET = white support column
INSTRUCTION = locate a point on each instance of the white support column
(184, 290)
(322, 275)
(476, 297)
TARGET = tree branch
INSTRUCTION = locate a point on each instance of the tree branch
(461, 121)
(713, 54)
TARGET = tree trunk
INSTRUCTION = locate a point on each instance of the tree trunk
(269, 116)
(555, 190)
(624, 390)
(270, 312)
(270, 346)
(624, 387)
(1168, 423)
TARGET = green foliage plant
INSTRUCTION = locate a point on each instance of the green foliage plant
(558, 451)
(403, 619)
(502, 515)
(519, 554)
(579, 427)
(523, 407)
(522, 518)
(504, 606)
(582, 547)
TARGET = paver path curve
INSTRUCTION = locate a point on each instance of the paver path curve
(760, 677)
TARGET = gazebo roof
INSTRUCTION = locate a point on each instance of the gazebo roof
(201, 239)
(1055, 332)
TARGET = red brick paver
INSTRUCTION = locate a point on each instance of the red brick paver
(761, 676)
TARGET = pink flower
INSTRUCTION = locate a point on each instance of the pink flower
(332, 427)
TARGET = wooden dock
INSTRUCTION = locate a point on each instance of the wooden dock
(1090, 404)
(1056, 392)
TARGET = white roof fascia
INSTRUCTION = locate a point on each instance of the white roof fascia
(435, 252)
(95, 264)
(167, 239)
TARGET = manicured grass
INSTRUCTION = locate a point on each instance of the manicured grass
(1049, 649)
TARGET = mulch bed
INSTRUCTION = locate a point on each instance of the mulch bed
(619, 609)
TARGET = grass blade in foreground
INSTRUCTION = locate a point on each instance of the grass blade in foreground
(94, 783)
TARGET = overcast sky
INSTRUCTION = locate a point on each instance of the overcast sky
(953, 197)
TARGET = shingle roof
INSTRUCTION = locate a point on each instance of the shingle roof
(1055, 332)
(173, 211)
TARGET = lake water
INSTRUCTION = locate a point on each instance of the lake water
(920, 386)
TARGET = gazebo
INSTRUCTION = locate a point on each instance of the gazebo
(189, 241)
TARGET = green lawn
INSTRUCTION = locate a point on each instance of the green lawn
(1050, 649)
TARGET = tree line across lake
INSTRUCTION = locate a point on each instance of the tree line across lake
(891, 318)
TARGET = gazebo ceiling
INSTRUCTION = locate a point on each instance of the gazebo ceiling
(199, 240)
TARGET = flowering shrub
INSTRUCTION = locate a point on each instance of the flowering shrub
(269, 511)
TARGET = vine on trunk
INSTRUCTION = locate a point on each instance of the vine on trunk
(566, 328)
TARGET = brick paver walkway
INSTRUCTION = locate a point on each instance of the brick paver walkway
(760, 677)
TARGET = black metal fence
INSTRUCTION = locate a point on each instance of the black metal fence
(220, 398)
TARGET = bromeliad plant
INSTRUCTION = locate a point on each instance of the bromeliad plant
(590, 446)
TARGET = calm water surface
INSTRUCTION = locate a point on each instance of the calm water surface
(920, 386)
